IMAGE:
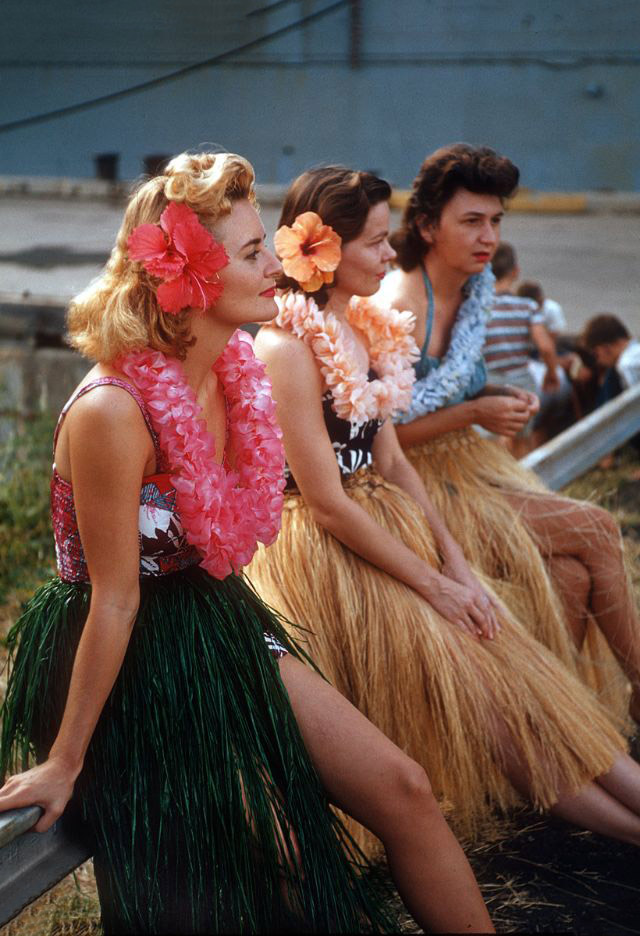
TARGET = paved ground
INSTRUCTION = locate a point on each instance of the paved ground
(589, 263)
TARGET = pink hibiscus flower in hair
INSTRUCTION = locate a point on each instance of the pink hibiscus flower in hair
(184, 255)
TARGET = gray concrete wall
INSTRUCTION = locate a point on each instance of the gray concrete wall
(35, 380)
(554, 84)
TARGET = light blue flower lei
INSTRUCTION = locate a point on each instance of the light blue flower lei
(453, 375)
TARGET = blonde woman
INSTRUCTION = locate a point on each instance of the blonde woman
(154, 687)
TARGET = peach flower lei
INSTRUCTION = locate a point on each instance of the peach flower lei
(224, 512)
(392, 351)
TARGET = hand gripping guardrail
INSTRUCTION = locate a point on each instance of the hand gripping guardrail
(31, 863)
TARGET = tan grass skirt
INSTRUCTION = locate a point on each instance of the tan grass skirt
(467, 477)
(432, 688)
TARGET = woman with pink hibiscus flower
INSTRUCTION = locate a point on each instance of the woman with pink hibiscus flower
(392, 612)
(148, 680)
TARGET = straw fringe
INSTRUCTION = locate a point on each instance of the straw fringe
(436, 692)
(467, 477)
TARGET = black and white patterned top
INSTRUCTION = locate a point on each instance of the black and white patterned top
(351, 443)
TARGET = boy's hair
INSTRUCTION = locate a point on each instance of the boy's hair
(603, 329)
(529, 289)
(504, 260)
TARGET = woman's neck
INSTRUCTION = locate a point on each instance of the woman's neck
(211, 340)
(446, 281)
(338, 304)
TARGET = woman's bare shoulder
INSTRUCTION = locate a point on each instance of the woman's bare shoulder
(107, 417)
(291, 366)
(108, 404)
(277, 347)
(402, 290)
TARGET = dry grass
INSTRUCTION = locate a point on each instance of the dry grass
(69, 909)
(535, 875)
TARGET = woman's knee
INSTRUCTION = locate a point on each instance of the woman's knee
(604, 520)
(412, 791)
(603, 530)
(571, 577)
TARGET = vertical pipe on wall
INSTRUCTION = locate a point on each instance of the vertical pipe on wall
(355, 33)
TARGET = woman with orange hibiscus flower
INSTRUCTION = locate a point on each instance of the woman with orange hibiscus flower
(392, 612)
(148, 679)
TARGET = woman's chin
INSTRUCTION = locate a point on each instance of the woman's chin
(265, 312)
(371, 289)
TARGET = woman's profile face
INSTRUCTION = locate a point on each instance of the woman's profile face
(249, 277)
(364, 260)
(468, 232)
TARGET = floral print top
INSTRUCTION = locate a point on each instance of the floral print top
(163, 545)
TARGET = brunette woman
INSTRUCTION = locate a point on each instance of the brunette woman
(394, 615)
(148, 678)
(558, 562)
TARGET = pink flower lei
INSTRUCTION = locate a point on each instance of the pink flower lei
(392, 351)
(224, 512)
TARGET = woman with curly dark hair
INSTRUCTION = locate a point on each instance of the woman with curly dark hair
(559, 562)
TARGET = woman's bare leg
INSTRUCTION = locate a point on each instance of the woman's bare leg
(593, 808)
(623, 782)
(371, 779)
(573, 583)
(563, 527)
(608, 805)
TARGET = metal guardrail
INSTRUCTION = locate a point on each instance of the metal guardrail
(31, 862)
(581, 446)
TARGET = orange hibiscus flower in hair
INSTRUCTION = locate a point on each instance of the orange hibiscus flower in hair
(309, 250)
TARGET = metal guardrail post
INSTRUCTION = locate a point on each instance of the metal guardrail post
(31, 862)
(581, 446)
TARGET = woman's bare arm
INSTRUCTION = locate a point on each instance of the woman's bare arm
(393, 465)
(497, 411)
(502, 414)
(108, 447)
(297, 389)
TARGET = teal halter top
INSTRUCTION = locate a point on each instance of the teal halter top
(429, 362)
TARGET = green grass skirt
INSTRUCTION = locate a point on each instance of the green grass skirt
(196, 774)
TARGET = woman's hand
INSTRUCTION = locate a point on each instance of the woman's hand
(469, 608)
(503, 415)
(48, 785)
(531, 399)
(457, 568)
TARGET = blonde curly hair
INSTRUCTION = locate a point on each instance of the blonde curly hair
(118, 311)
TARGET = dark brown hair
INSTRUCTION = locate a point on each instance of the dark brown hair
(342, 197)
(460, 166)
(504, 260)
(603, 329)
(529, 289)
